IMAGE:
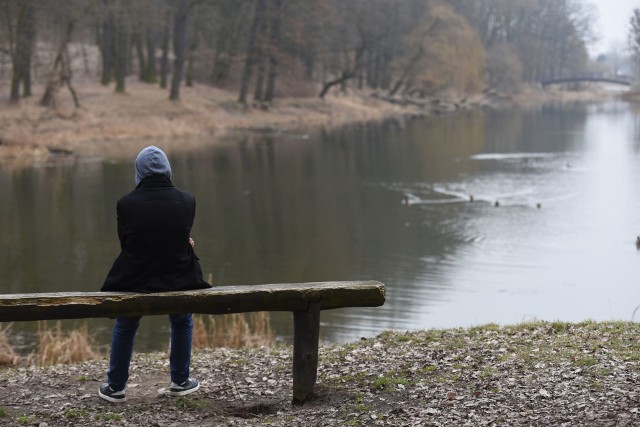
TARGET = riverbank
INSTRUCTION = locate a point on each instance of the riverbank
(546, 374)
(111, 125)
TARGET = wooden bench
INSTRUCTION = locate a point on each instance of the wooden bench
(305, 300)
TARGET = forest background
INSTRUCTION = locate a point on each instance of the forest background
(245, 54)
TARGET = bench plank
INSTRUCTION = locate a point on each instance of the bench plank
(217, 300)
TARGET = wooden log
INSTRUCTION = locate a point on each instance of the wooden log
(306, 334)
(218, 300)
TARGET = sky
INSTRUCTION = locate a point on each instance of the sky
(613, 22)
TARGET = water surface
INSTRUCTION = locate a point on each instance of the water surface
(501, 216)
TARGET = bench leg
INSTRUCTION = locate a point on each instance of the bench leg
(306, 334)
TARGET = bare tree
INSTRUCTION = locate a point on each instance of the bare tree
(18, 20)
(61, 73)
(259, 15)
(182, 10)
(634, 39)
(276, 39)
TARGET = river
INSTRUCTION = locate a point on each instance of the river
(489, 216)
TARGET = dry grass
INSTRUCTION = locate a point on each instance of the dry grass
(233, 330)
(8, 356)
(55, 347)
(115, 125)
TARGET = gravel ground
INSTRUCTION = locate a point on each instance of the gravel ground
(540, 374)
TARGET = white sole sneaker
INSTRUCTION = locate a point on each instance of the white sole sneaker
(115, 397)
(177, 390)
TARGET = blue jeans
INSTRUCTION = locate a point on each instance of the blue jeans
(124, 333)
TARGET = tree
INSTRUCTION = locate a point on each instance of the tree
(61, 71)
(228, 35)
(18, 19)
(634, 39)
(106, 41)
(549, 36)
(351, 44)
(313, 45)
(250, 59)
(164, 45)
(65, 20)
(454, 55)
(181, 12)
(276, 39)
(121, 47)
(504, 68)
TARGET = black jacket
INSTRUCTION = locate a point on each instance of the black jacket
(154, 225)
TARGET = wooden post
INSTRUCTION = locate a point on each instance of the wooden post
(306, 334)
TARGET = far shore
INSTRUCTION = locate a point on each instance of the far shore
(111, 125)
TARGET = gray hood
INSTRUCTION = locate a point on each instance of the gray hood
(152, 161)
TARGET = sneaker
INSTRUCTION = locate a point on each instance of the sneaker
(107, 393)
(187, 387)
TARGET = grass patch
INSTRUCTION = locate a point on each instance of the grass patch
(26, 420)
(109, 416)
(357, 378)
(189, 404)
(75, 413)
(482, 329)
(386, 382)
(3, 412)
(241, 361)
(429, 369)
(585, 362)
(404, 337)
(560, 326)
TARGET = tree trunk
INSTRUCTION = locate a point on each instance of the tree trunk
(142, 60)
(58, 73)
(276, 32)
(29, 32)
(179, 47)
(107, 49)
(164, 60)
(261, 48)
(258, 95)
(407, 71)
(250, 55)
(14, 97)
(193, 46)
(121, 57)
(344, 77)
(261, 60)
(309, 49)
(25, 33)
(151, 75)
(226, 40)
(221, 67)
(67, 73)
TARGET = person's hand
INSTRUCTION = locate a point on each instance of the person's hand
(192, 242)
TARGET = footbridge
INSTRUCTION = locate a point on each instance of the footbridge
(624, 81)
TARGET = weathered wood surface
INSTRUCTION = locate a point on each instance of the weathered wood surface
(305, 300)
(294, 297)
(306, 338)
